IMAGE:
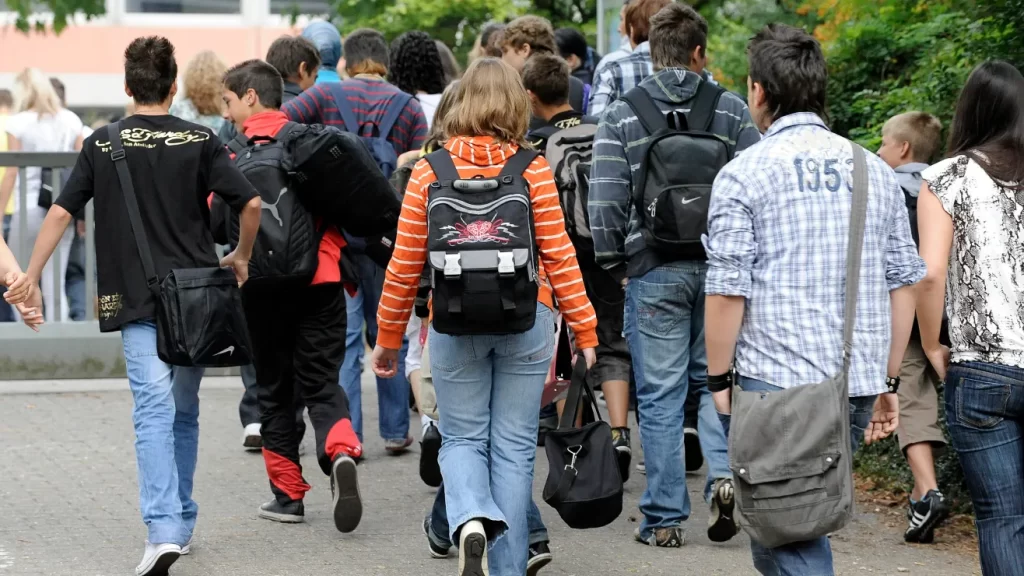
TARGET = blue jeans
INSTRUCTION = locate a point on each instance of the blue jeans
(166, 417)
(488, 396)
(814, 557)
(664, 324)
(6, 311)
(440, 529)
(985, 414)
(74, 279)
(392, 393)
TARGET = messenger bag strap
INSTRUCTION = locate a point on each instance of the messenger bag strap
(132, 203)
(855, 247)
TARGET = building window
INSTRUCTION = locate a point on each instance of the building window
(184, 6)
(306, 7)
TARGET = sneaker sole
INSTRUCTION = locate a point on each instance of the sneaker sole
(347, 504)
(430, 469)
(926, 533)
(537, 562)
(724, 528)
(161, 564)
(473, 555)
(282, 518)
(694, 456)
(625, 456)
(252, 443)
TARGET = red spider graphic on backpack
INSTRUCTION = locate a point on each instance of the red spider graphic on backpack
(494, 230)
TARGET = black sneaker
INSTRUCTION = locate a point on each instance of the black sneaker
(430, 448)
(620, 439)
(291, 513)
(540, 556)
(924, 516)
(347, 505)
(671, 537)
(436, 547)
(691, 447)
(721, 524)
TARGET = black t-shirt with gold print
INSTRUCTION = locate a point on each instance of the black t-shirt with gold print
(174, 165)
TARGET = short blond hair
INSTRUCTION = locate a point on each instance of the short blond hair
(490, 101)
(203, 82)
(921, 130)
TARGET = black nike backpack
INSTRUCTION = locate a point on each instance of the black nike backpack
(288, 242)
(481, 249)
(683, 157)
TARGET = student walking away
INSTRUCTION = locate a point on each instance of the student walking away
(530, 35)
(390, 122)
(294, 306)
(297, 60)
(490, 353)
(174, 165)
(567, 141)
(613, 79)
(416, 68)
(674, 113)
(909, 140)
(486, 42)
(41, 124)
(572, 47)
(971, 207)
(799, 206)
(327, 40)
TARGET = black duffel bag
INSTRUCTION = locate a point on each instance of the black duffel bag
(199, 318)
(584, 484)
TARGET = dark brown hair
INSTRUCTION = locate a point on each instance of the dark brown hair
(788, 63)
(150, 69)
(258, 76)
(638, 18)
(547, 76)
(989, 122)
(287, 54)
(676, 31)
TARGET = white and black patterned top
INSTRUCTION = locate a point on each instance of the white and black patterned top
(985, 284)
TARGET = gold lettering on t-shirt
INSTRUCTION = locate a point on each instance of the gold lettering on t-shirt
(110, 305)
(143, 138)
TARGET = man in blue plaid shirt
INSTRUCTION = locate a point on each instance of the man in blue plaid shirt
(776, 246)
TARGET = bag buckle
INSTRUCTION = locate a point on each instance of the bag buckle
(575, 451)
(506, 263)
(452, 265)
(117, 155)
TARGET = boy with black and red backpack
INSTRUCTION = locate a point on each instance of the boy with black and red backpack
(295, 308)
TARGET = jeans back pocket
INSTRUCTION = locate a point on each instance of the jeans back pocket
(981, 397)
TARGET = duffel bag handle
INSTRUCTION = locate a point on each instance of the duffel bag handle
(577, 388)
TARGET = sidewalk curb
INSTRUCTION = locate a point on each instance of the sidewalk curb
(10, 387)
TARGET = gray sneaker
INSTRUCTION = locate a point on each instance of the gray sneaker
(397, 446)
(671, 537)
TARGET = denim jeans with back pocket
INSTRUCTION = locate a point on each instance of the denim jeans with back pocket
(985, 414)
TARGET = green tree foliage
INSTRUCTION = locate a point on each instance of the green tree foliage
(63, 12)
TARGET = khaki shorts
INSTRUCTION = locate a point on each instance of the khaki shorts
(919, 400)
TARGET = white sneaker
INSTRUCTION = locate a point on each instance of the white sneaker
(157, 559)
(251, 439)
(473, 550)
(187, 548)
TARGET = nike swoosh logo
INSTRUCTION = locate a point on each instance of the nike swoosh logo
(229, 350)
(688, 200)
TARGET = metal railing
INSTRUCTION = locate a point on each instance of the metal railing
(58, 162)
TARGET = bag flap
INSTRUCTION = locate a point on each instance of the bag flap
(473, 260)
(201, 277)
(756, 473)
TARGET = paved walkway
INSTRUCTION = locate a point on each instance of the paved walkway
(70, 506)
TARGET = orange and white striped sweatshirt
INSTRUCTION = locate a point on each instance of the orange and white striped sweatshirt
(484, 156)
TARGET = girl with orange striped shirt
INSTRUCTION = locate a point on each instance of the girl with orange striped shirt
(488, 386)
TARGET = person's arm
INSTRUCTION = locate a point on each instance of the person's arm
(414, 122)
(11, 174)
(610, 184)
(602, 91)
(935, 226)
(731, 249)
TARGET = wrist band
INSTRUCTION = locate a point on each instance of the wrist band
(893, 383)
(720, 382)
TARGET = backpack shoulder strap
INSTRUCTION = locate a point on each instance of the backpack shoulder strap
(443, 166)
(545, 132)
(705, 102)
(238, 143)
(650, 116)
(519, 162)
(394, 110)
(348, 115)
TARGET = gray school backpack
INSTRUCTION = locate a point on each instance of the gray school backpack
(790, 451)
(570, 152)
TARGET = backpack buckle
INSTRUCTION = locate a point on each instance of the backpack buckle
(452, 265)
(506, 263)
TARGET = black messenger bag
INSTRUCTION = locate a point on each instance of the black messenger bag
(199, 317)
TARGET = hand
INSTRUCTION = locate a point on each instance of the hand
(407, 157)
(385, 361)
(589, 356)
(80, 228)
(723, 401)
(19, 287)
(31, 311)
(939, 358)
(884, 418)
(239, 263)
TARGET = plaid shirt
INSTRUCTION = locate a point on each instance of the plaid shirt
(777, 236)
(617, 77)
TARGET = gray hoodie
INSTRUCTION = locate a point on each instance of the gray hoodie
(909, 177)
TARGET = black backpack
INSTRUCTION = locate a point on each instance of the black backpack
(682, 159)
(570, 151)
(481, 249)
(288, 242)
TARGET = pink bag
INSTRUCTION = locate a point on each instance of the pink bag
(560, 373)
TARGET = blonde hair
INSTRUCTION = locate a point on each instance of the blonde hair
(33, 91)
(921, 130)
(204, 82)
(490, 101)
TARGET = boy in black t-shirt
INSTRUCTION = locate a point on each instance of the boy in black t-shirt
(174, 165)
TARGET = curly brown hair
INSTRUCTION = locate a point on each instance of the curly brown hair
(532, 30)
(204, 78)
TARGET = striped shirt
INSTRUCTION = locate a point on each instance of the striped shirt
(559, 271)
(369, 98)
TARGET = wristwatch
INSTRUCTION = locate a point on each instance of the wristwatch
(893, 382)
